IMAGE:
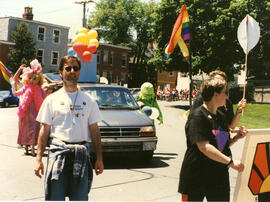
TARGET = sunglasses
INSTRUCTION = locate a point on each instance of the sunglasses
(75, 68)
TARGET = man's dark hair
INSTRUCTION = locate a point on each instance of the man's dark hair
(210, 86)
(67, 58)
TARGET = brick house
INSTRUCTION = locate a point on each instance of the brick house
(112, 63)
(166, 79)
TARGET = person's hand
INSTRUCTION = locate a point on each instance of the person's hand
(237, 165)
(242, 132)
(242, 104)
(39, 168)
(22, 66)
(99, 167)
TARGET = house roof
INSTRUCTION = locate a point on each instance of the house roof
(37, 22)
(7, 42)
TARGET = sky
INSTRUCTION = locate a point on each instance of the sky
(59, 12)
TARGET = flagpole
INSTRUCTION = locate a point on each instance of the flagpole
(190, 77)
(244, 90)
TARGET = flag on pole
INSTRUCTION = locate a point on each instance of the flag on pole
(180, 33)
(7, 74)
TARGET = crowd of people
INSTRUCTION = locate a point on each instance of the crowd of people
(172, 94)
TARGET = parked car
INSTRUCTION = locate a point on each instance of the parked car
(125, 127)
(7, 98)
(52, 77)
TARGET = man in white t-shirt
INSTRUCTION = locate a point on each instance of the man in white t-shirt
(68, 120)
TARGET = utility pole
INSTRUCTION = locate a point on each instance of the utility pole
(84, 5)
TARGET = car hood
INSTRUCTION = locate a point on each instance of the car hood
(124, 118)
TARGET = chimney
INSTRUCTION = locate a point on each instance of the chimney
(27, 15)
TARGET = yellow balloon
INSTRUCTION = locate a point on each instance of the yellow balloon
(94, 41)
(82, 30)
(93, 34)
(81, 37)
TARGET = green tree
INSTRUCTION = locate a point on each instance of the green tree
(214, 43)
(128, 23)
(24, 49)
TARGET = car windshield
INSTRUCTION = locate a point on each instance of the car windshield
(53, 77)
(4, 93)
(109, 97)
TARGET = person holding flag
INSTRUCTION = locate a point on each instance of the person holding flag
(204, 171)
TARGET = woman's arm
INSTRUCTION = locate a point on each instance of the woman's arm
(213, 153)
(17, 74)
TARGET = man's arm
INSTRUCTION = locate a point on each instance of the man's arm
(42, 143)
(96, 142)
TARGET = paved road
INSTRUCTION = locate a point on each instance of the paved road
(124, 179)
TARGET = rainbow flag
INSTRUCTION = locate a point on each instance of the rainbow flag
(180, 33)
(6, 72)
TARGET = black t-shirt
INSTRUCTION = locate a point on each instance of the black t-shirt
(198, 172)
(227, 110)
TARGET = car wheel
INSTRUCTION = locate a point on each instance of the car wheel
(6, 104)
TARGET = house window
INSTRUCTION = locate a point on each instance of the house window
(54, 60)
(40, 55)
(111, 59)
(123, 76)
(105, 57)
(98, 57)
(124, 61)
(56, 36)
(171, 74)
(41, 33)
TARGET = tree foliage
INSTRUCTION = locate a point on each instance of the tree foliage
(24, 49)
(214, 43)
(128, 23)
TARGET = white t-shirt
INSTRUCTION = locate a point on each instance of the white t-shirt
(66, 124)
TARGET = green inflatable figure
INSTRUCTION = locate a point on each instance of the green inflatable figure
(148, 98)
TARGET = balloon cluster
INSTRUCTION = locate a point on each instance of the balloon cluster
(84, 44)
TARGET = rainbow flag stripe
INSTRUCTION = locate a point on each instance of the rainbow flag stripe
(6, 72)
(181, 32)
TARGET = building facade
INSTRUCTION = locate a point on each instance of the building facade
(112, 63)
(51, 40)
(166, 79)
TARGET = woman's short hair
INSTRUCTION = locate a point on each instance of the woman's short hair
(219, 73)
(67, 58)
(210, 86)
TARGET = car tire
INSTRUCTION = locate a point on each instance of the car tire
(6, 104)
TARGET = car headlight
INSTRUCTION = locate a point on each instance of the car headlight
(148, 131)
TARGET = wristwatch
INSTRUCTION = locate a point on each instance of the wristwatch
(231, 161)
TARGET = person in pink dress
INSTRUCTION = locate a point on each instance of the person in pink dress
(33, 96)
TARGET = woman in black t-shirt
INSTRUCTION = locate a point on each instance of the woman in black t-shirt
(204, 171)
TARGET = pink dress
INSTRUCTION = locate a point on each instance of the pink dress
(27, 112)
